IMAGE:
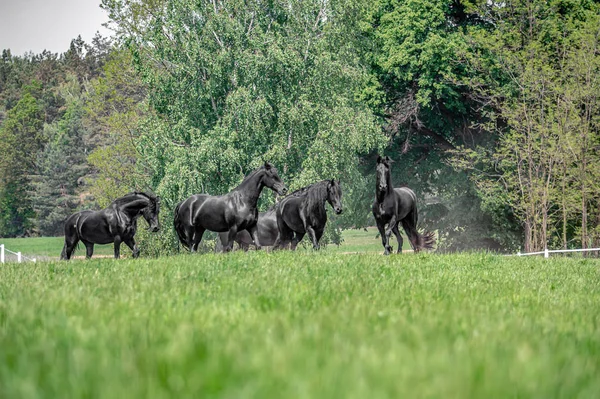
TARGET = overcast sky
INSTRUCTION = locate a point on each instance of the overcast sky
(35, 25)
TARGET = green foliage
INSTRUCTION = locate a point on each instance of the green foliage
(60, 165)
(239, 82)
(311, 326)
(114, 106)
(418, 85)
(20, 138)
(544, 99)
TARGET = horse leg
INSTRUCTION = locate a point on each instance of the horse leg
(285, 235)
(313, 237)
(296, 240)
(388, 232)
(231, 238)
(89, 249)
(254, 234)
(196, 238)
(117, 247)
(384, 238)
(398, 238)
(319, 234)
(133, 246)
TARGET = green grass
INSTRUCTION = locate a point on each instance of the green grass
(301, 325)
(50, 247)
(355, 241)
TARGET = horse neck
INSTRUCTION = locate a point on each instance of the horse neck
(381, 194)
(133, 208)
(252, 186)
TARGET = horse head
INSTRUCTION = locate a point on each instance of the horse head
(383, 173)
(334, 195)
(272, 180)
(151, 211)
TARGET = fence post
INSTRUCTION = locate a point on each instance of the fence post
(1, 253)
(19, 257)
(546, 253)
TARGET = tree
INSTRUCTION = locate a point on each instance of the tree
(60, 165)
(20, 139)
(234, 83)
(114, 108)
(541, 98)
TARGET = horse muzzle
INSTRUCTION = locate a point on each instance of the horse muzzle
(282, 190)
(154, 229)
(337, 210)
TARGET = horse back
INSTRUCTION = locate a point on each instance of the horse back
(406, 201)
(214, 213)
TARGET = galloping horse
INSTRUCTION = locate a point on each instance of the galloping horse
(231, 212)
(266, 225)
(397, 205)
(303, 212)
(117, 223)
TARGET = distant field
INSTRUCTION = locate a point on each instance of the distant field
(44, 247)
(303, 325)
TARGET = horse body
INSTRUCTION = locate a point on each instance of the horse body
(393, 206)
(266, 225)
(117, 223)
(303, 212)
(231, 213)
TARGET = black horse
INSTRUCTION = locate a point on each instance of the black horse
(267, 231)
(397, 205)
(117, 223)
(303, 212)
(230, 213)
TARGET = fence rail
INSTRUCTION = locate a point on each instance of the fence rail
(547, 252)
(19, 255)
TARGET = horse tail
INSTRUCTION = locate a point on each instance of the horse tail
(71, 237)
(426, 239)
(178, 227)
(419, 239)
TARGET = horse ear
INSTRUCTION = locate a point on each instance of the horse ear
(332, 182)
(378, 158)
(267, 165)
(388, 159)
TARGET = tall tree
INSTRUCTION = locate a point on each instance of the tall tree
(60, 165)
(232, 83)
(539, 95)
(20, 139)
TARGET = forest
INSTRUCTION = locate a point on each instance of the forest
(489, 109)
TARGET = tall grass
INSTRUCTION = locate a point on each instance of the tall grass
(303, 325)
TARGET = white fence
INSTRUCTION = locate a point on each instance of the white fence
(547, 252)
(6, 255)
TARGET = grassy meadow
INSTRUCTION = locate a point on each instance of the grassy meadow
(301, 325)
(48, 248)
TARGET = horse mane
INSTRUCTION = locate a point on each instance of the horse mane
(251, 174)
(132, 196)
(315, 193)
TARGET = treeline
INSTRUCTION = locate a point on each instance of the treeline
(490, 110)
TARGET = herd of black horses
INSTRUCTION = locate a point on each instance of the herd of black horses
(236, 218)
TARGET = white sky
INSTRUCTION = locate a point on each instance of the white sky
(35, 25)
